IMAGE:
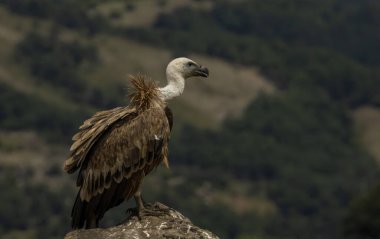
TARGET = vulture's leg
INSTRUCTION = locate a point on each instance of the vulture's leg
(145, 209)
(139, 201)
(140, 204)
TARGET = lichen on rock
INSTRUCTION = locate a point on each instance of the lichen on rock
(170, 224)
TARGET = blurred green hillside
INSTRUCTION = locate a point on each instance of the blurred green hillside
(280, 142)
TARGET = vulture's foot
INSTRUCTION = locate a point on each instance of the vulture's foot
(157, 209)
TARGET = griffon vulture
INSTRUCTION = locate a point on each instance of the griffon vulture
(115, 149)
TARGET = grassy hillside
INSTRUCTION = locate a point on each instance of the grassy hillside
(143, 13)
(119, 57)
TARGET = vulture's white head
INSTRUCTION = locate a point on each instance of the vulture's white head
(177, 71)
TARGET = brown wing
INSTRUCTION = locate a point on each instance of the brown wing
(89, 133)
(130, 145)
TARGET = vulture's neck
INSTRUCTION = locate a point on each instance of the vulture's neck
(175, 86)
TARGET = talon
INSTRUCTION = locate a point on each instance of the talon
(144, 209)
(155, 209)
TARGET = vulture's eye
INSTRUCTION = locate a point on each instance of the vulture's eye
(189, 64)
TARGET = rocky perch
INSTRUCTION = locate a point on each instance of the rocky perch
(171, 224)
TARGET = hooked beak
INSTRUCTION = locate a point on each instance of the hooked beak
(201, 71)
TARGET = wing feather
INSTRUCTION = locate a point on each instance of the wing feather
(127, 148)
(90, 131)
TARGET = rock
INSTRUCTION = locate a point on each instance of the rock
(171, 224)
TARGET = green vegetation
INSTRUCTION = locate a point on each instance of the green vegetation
(51, 60)
(299, 144)
(69, 13)
(292, 42)
(31, 210)
(28, 112)
(297, 149)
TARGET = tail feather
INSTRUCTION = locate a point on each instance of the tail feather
(87, 214)
(78, 213)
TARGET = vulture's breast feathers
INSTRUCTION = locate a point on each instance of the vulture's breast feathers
(114, 144)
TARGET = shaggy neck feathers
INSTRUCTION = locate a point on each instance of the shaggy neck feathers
(144, 93)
